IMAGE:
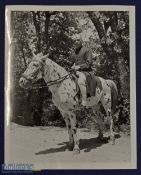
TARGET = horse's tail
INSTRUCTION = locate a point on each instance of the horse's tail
(114, 95)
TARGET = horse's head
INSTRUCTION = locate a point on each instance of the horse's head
(33, 72)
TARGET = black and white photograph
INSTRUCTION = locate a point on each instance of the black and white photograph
(70, 92)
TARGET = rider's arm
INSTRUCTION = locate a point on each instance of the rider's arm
(72, 59)
(84, 67)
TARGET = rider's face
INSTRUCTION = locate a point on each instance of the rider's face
(77, 41)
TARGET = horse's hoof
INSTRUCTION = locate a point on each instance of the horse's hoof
(70, 147)
(112, 140)
(76, 151)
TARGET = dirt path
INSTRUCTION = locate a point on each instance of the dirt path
(47, 147)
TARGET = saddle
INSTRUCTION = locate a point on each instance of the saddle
(92, 82)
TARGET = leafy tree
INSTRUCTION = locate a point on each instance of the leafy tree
(115, 45)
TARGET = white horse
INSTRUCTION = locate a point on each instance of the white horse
(64, 90)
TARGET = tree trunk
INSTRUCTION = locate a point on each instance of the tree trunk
(124, 78)
(100, 30)
(116, 56)
(36, 21)
(47, 20)
(22, 51)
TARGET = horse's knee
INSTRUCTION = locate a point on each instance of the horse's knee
(74, 129)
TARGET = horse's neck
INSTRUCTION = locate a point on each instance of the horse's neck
(55, 72)
(52, 72)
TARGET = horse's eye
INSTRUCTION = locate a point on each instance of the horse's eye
(35, 65)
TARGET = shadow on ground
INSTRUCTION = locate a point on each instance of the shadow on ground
(85, 144)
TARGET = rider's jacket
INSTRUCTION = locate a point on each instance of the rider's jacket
(83, 58)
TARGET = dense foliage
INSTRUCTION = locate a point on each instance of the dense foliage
(106, 33)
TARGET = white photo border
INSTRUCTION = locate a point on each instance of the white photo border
(131, 9)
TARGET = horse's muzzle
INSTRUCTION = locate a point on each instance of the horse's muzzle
(23, 82)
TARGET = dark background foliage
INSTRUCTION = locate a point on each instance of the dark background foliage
(53, 32)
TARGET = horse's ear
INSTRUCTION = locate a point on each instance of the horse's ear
(43, 59)
(33, 54)
(40, 54)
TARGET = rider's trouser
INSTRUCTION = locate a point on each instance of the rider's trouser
(82, 85)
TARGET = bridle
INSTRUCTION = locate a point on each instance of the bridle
(59, 80)
(51, 83)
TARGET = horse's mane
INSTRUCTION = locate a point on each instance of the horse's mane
(51, 62)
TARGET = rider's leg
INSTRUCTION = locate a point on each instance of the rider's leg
(82, 85)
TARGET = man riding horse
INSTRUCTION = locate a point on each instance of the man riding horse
(82, 60)
(64, 90)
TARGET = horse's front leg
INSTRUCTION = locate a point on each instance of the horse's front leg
(73, 122)
(68, 125)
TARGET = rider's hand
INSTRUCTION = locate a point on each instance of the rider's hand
(75, 67)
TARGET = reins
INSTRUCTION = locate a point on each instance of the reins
(50, 83)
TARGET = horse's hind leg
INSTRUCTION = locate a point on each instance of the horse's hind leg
(106, 101)
(101, 126)
(99, 120)
(112, 135)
